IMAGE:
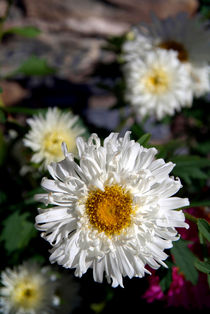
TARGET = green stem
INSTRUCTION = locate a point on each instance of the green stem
(190, 217)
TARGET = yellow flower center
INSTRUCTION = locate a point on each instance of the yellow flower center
(156, 81)
(53, 140)
(110, 210)
(27, 294)
(173, 45)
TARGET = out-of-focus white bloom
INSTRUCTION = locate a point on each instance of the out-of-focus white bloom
(114, 211)
(200, 80)
(188, 36)
(158, 84)
(27, 289)
(48, 132)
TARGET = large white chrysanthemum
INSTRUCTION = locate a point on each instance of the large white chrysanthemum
(48, 132)
(188, 36)
(158, 84)
(27, 289)
(114, 209)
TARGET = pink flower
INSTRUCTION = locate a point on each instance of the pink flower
(154, 292)
(183, 293)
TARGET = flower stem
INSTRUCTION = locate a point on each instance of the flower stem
(190, 217)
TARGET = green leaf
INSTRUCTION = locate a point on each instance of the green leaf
(35, 66)
(190, 161)
(26, 31)
(137, 130)
(1, 90)
(204, 228)
(204, 267)
(189, 173)
(167, 150)
(190, 167)
(3, 118)
(185, 260)
(17, 232)
(144, 139)
(165, 282)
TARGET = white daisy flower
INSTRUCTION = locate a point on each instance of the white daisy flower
(188, 36)
(48, 132)
(114, 209)
(27, 289)
(158, 84)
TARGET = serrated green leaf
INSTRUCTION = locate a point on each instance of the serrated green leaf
(26, 31)
(204, 267)
(185, 260)
(144, 139)
(35, 66)
(17, 232)
(188, 173)
(204, 228)
(190, 161)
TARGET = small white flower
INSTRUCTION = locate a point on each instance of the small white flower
(114, 209)
(27, 289)
(188, 36)
(48, 132)
(158, 84)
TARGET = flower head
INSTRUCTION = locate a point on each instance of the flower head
(158, 84)
(48, 132)
(188, 36)
(27, 289)
(113, 211)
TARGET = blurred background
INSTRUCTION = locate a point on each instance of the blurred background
(64, 61)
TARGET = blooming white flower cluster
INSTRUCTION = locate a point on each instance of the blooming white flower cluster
(47, 132)
(167, 64)
(114, 211)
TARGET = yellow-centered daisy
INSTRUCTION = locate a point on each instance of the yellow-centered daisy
(113, 211)
(27, 289)
(47, 132)
(158, 84)
(188, 36)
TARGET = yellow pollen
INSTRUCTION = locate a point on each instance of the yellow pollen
(173, 45)
(110, 210)
(53, 140)
(157, 81)
(27, 294)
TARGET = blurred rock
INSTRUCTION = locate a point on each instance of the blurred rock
(74, 32)
(12, 92)
(104, 17)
